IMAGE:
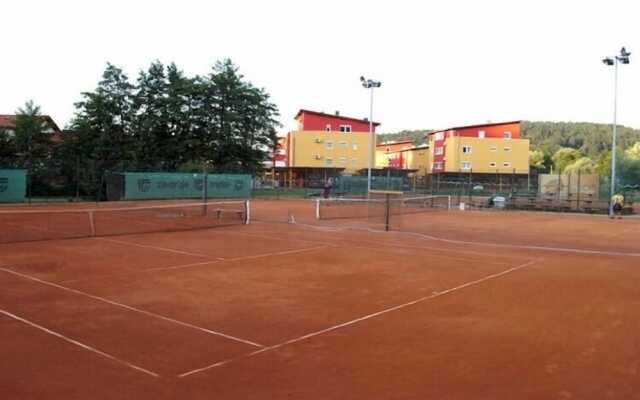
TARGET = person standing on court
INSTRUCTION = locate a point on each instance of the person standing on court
(618, 205)
(327, 188)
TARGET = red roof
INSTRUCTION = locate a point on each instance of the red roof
(9, 121)
(474, 126)
(364, 120)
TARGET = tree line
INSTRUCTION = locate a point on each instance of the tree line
(163, 121)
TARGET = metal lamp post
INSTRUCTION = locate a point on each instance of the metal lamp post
(370, 84)
(614, 61)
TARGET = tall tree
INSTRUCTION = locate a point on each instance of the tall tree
(104, 118)
(31, 137)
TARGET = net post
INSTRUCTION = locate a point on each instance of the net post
(92, 223)
(318, 209)
(247, 207)
(387, 211)
(448, 203)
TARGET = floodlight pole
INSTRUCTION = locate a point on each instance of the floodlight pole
(370, 84)
(614, 61)
(615, 134)
(371, 141)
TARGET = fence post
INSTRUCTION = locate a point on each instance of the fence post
(77, 178)
(578, 191)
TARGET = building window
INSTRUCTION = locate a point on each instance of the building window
(493, 148)
(506, 135)
(343, 160)
(328, 162)
(354, 146)
(439, 135)
(327, 128)
(437, 165)
(493, 164)
(343, 144)
(345, 128)
(466, 165)
(481, 134)
(506, 164)
(507, 149)
(438, 151)
(354, 161)
(466, 149)
(329, 145)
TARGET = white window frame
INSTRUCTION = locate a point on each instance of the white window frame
(438, 165)
(345, 128)
(327, 128)
(493, 164)
(467, 149)
(354, 161)
(343, 143)
(438, 151)
(354, 146)
(343, 160)
(439, 136)
(507, 135)
(329, 145)
(506, 164)
(493, 148)
(328, 161)
(481, 134)
(465, 165)
(507, 149)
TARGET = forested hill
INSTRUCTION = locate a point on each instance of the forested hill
(590, 138)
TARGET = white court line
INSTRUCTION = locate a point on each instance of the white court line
(148, 313)
(396, 245)
(148, 246)
(272, 237)
(142, 270)
(72, 341)
(487, 244)
(219, 260)
(355, 321)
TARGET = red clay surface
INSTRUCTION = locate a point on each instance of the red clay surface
(467, 305)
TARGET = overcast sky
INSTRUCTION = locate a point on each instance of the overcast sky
(442, 63)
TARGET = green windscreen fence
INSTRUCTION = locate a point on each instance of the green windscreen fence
(13, 185)
(358, 184)
(162, 185)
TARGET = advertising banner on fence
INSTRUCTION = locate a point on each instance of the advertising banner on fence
(13, 185)
(158, 185)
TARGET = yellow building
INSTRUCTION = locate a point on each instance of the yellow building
(322, 149)
(487, 155)
(416, 160)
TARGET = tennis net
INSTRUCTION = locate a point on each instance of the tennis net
(30, 225)
(379, 210)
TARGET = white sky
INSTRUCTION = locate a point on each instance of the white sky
(442, 63)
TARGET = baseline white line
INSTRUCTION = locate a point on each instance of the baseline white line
(77, 343)
(277, 253)
(184, 266)
(395, 245)
(364, 318)
(148, 246)
(142, 270)
(487, 244)
(148, 313)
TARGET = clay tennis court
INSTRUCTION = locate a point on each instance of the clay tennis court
(448, 305)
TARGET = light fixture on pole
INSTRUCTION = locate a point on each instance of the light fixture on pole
(614, 61)
(370, 84)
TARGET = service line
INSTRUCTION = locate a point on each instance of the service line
(357, 320)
